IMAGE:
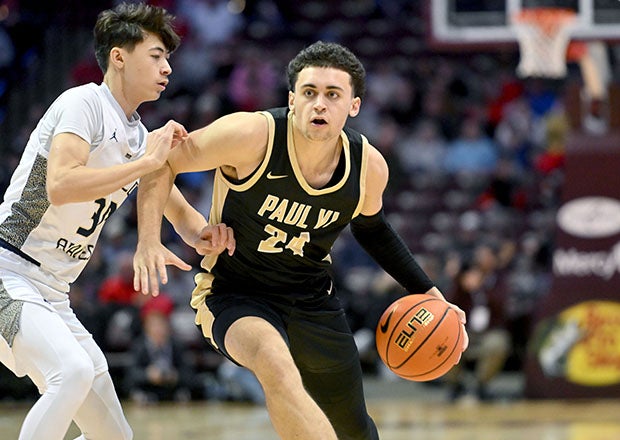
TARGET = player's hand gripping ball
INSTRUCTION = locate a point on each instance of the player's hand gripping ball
(419, 337)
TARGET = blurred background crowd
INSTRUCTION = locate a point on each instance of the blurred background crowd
(476, 159)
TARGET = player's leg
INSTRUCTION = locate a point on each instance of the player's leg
(100, 417)
(325, 352)
(48, 353)
(256, 344)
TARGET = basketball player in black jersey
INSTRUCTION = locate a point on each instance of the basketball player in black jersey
(288, 181)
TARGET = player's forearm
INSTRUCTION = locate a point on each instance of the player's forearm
(387, 248)
(185, 219)
(153, 194)
(83, 183)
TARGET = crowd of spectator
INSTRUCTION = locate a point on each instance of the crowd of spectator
(475, 155)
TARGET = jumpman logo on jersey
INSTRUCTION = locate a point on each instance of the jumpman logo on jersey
(114, 136)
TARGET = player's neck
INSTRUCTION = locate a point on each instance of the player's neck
(121, 94)
(317, 159)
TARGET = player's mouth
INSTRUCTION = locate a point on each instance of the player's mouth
(163, 84)
(318, 121)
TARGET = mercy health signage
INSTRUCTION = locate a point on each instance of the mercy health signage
(575, 344)
(589, 218)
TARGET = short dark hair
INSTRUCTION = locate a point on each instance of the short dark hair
(321, 54)
(125, 26)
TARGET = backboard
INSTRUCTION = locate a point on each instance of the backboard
(473, 22)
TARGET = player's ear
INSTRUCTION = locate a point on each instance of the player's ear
(291, 100)
(117, 57)
(355, 106)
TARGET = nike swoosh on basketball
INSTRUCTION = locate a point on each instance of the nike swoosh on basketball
(384, 326)
(275, 176)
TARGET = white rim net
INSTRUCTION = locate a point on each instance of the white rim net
(543, 35)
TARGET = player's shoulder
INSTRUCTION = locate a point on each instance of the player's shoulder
(376, 161)
(243, 123)
(90, 90)
(86, 95)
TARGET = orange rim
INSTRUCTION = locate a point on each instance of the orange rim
(550, 20)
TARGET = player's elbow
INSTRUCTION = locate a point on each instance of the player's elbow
(55, 197)
(57, 194)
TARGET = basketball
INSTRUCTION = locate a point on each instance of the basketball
(419, 337)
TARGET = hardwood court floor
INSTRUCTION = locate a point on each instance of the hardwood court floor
(398, 417)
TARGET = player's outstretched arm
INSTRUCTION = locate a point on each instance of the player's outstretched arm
(372, 230)
(69, 180)
(151, 256)
(235, 141)
(192, 227)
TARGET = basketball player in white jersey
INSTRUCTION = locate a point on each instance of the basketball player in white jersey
(81, 162)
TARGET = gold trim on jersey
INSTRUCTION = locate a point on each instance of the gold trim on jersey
(204, 318)
(219, 176)
(220, 192)
(297, 169)
(221, 186)
(363, 171)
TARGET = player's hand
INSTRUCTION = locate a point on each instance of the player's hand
(179, 134)
(149, 265)
(214, 239)
(159, 142)
(461, 314)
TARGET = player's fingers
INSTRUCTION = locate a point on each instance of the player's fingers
(223, 238)
(150, 282)
(176, 261)
(231, 244)
(211, 240)
(179, 130)
(216, 236)
(461, 314)
(167, 131)
(144, 280)
(176, 126)
(226, 239)
(203, 247)
(465, 339)
(137, 285)
(162, 272)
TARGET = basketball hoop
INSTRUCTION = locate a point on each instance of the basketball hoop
(543, 35)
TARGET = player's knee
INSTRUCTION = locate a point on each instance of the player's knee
(275, 370)
(75, 376)
(81, 375)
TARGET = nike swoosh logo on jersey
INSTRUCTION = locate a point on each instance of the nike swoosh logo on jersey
(274, 176)
(385, 325)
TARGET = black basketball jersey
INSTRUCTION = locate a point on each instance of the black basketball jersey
(284, 228)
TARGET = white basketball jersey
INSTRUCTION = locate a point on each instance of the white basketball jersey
(61, 239)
